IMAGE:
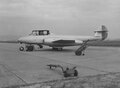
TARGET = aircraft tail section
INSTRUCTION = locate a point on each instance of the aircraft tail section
(102, 33)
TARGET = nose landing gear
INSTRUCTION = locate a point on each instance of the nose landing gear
(21, 48)
(27, 48)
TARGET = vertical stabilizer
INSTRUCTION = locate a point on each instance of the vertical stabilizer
(102, 33)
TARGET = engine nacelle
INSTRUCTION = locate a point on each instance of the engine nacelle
(50, 40)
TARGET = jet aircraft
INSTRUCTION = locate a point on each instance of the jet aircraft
(57, 42)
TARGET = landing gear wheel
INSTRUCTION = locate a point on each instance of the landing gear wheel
(75, 73)
(65, 74)
(29, 48)
(78, 53)
(54, 48)
(83, 54)
(41, 46)
(57, 49)
(21, 48)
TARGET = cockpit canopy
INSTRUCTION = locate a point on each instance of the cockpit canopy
(40, 32)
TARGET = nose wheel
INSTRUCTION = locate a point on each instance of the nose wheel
(21, 48)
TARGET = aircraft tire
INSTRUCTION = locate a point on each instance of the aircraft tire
(30, 48)
(41, 46)
(60, 49)
(78, 53)
(65, 74)
(83, 54)
(57, 49)
(21, 48)
(75, 73)
(54, 48)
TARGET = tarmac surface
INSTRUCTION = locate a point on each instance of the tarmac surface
(18, 67)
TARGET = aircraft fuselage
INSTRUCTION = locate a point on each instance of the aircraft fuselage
(49, 40)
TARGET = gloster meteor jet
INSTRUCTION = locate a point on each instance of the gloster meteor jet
(57, 42)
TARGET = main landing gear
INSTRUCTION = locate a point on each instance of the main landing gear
(40, 46)
(57, 49)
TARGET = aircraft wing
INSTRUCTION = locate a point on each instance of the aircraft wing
(62, 41)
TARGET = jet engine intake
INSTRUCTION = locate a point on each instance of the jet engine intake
(78, 42)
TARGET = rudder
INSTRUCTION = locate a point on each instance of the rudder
(103, 32)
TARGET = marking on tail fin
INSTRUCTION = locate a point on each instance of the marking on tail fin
(104, 32)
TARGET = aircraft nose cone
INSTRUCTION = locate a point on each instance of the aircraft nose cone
(27, 39)
(22, 39)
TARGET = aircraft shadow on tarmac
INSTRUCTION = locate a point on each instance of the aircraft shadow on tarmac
(50, 50)
(68, 50)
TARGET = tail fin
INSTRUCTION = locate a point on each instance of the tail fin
(102, 33)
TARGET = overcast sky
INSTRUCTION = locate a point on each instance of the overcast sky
(19, 17)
